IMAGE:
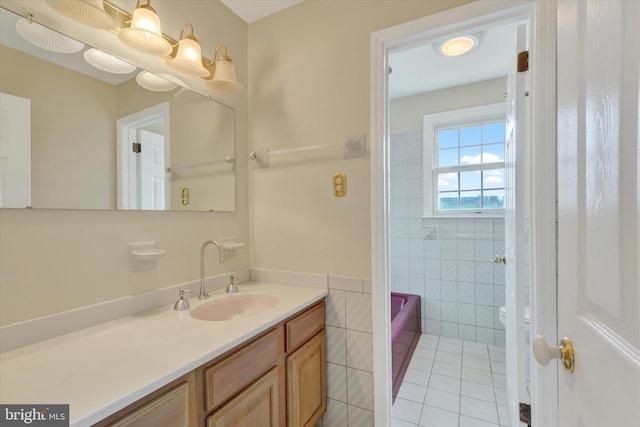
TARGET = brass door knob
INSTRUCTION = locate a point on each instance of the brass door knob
(500, 259)
(543, 352)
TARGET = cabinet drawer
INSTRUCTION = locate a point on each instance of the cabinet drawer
(229, 376)
(257, 406)
(304, 326)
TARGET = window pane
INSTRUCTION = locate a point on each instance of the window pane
(448, 201)
(447, 181)
(493, 199)
(447, 138)
(493, 153)
(470, 156)
(470, 136)
(470, 180)
(493, 178)
(448, 157)
(470, 200)
(493, 133)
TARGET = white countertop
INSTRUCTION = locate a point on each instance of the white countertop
(101, 369)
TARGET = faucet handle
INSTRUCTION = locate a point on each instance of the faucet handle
(232, 288)
(182, 304)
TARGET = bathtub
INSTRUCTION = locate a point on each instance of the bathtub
(405, 333)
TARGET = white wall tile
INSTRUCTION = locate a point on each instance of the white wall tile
(359, 312)
(400, 284)
(433, 309)
(484, 228)
(344, 283)
(359, 350)
(335, 309)
(485, 335)
(465, 226)
(431, 249)
(360, 388)
(467, 314)
(416, 207)
(466, 250)
(414, 188)
(289, 278)
(467, 292)
(484, 272)
(416, 268)
(467, 332)
(498, 295)
(449, 270)
(433, 327)
(484, 294)
(484, 250)
(399, 208)
(449, 329)
(358, 417)
(448, 226)
(336, 345)
(337, 382)
(416, 286)
(466, 271)
(498, 274)
(432, 268)
(400, 247)
(448, 249)
(449, 311)
(336, 415)
(448, 290)
(416, 248)
(485, 316)
(399, 267)
(432, 289)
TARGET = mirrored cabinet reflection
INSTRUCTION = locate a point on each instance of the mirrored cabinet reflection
(82, 129)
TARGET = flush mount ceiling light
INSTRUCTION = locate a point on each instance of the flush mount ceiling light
(87, 12)
(459, 45)
(46, 38)
(188, 59)
(106, 62)
(223, 73)
(154, 82)
(145, 34)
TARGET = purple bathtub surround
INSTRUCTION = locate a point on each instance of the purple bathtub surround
(405, 333)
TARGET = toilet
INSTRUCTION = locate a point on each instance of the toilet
(527, 333)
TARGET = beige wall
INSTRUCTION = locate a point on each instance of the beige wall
(407, 113)
(309, 83)
(72, 134)
(55, 260)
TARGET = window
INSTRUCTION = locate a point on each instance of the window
(464, 162)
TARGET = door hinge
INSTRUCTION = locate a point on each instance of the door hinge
(136, 147)
(390, 70)
(525, 413)
(523, 61)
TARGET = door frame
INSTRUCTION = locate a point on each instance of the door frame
(543, 284)
(126, 166)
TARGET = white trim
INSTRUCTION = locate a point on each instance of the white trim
(453, 118)
(543, 163)
(543, 285)
(126, 167)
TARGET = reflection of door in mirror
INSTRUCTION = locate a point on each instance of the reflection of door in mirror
(143, 153)
(15, 152)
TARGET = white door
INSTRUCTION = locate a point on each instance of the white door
(152, 170)
(598, 211)
(15, 151)
(515, 212)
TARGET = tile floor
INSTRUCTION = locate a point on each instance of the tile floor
(453, 383)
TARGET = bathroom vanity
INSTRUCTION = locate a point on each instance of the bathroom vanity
(164, 367)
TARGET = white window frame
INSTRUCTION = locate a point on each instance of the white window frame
(462, 117)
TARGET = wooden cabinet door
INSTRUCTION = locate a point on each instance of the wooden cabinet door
(307, 383)
(256, 406)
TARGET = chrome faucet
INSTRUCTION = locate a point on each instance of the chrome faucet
(203, 292)
(232, 288)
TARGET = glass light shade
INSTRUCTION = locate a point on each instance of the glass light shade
(145, 34)
(224, 78)
(87, 12)
(106, 62)
(458, 45)
(46, 38)
(154, 82)
(188, 59)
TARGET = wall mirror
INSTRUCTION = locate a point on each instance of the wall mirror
(74, 136)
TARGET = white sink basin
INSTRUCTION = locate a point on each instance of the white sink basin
(234, 306)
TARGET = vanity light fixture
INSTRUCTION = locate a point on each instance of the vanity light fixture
(106, 62)
(145, 34)
(223, 73)
(459, 45)
(87, 12)
(45, 38)
(188, 59)
(154, 82)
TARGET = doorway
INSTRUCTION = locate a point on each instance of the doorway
(143, 155)
(471, 18)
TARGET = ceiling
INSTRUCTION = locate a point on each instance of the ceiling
(253, 10)
(420, 69)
